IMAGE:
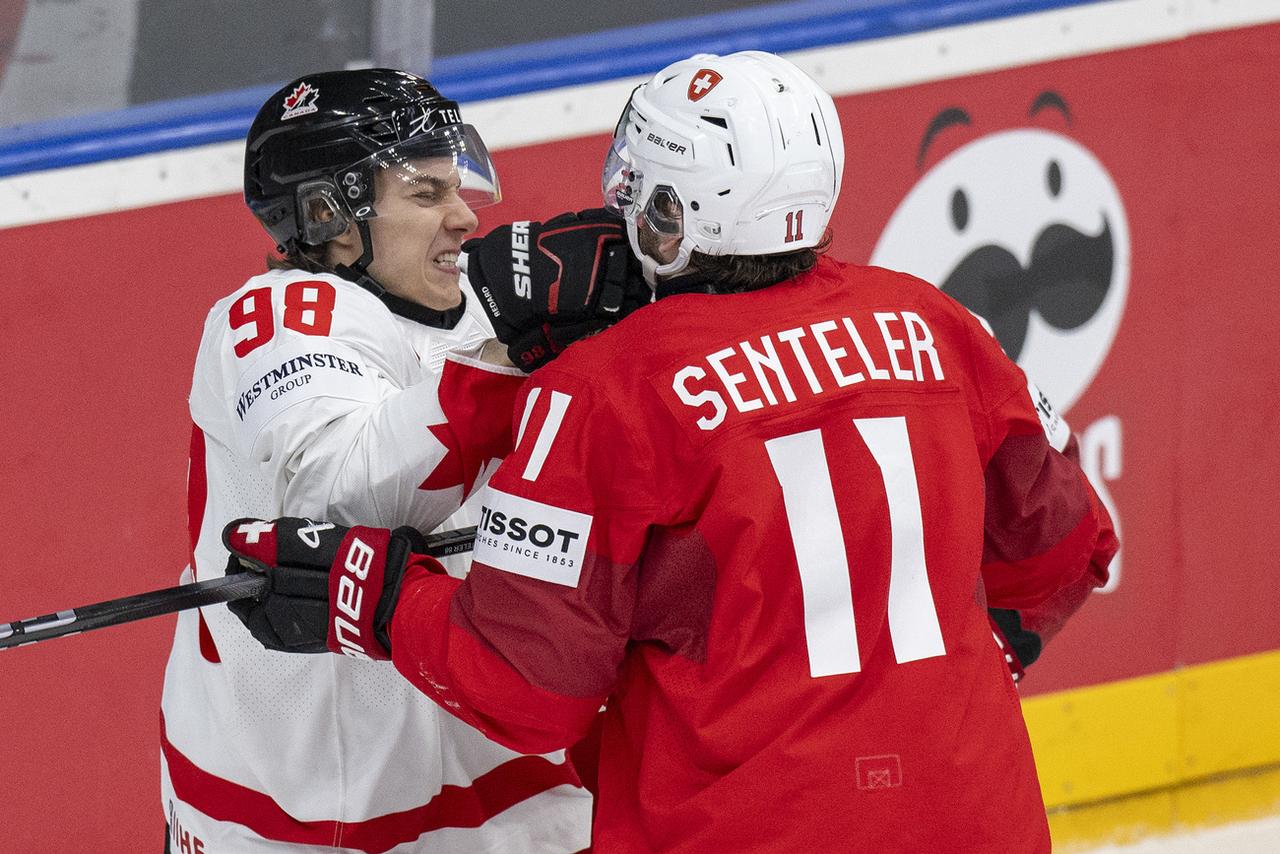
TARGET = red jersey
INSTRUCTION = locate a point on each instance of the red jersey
(763, 529)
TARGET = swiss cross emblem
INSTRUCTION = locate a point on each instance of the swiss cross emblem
(254, 530)
(703, 82)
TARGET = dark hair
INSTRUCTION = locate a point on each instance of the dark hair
(731, 274)
(309, 259)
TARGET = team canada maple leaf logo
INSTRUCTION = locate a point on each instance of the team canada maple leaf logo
(301, 101)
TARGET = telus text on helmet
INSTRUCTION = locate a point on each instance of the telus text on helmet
(431, 116)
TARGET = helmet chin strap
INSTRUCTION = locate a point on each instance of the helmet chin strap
(649, 268)
(358, 272)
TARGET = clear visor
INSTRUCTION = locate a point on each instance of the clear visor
(616, 181)
(452, 159)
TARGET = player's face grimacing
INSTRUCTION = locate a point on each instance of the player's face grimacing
(418, 232)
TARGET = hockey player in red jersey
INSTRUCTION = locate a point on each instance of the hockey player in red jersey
(760, 520)
(355, 381)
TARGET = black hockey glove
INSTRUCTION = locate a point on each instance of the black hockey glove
(1021, 647)
(332, 588)
(546, 284)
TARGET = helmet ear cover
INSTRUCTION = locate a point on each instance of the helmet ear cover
(321, 214)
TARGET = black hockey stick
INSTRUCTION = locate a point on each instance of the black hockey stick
(113, 612)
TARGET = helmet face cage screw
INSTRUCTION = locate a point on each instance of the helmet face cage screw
(626, 192)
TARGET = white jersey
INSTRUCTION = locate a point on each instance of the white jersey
(310, 398)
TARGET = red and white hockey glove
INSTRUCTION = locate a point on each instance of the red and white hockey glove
(331, 588)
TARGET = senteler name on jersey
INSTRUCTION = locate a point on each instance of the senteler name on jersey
(883, 346)
(279, 377)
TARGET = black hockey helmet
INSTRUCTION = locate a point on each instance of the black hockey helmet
(314, 146)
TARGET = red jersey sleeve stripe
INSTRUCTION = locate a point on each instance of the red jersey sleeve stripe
(1029, 582)
(454, 806)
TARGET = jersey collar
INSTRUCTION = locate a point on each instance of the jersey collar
(418, 313)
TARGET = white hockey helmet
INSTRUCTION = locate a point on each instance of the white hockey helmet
(735, 155)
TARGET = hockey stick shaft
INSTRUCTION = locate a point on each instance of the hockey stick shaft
(155, 603)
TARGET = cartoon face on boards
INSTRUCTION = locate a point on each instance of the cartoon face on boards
(1026, 228)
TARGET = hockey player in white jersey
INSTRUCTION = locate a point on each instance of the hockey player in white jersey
(356, 382)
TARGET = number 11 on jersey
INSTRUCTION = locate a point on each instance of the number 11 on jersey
(800, 464)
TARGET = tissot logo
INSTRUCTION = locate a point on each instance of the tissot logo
(531, 538)
(518, 530)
